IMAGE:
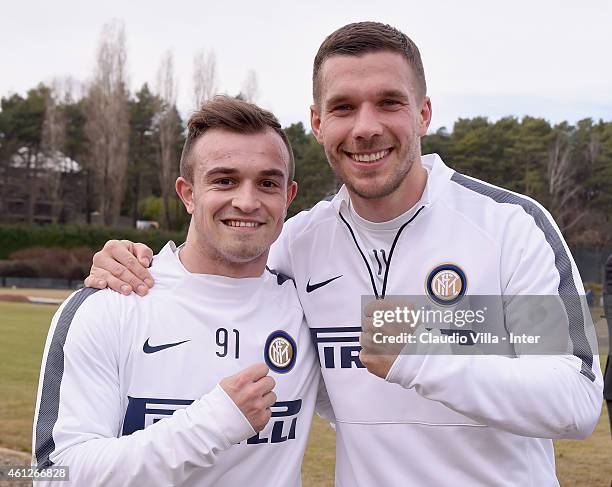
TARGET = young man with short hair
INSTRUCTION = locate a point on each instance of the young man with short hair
(406, 224)
(218, 351)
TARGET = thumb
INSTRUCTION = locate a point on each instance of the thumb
(255, 372)
(143, 253)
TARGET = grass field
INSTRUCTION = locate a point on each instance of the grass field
(23, 328)
(39, 293)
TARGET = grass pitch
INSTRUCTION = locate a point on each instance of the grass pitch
(23, 328)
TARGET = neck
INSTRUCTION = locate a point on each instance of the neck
(198, 259)
(394, 204)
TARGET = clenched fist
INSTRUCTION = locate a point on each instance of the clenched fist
(385, 327)
(251, 390)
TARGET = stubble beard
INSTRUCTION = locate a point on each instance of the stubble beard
(230, 251)
(239, 250)
(389, 186)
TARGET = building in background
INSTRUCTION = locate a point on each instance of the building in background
(41, 188)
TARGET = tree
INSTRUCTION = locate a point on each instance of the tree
(563, 187)
(473, 150)
(524, 158)
(21, 126)
(169, 131)
(591, 155)
(250, 87)
(312, 172)
(53, 144)
(599, 182)
(204, 77)
(437, 143)
(142, 177)
(107, 121)
(76, 148)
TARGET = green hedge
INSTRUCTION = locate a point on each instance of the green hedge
(17, 237)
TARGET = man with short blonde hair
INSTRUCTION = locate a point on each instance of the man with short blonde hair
(210, 379)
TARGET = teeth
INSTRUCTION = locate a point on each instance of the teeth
(238, 223)
(370, 157)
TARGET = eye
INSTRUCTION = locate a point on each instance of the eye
(223, 181)
(268, 183)
(344, 108)
(390, 103)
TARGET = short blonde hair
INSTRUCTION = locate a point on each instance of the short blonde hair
(235, 115)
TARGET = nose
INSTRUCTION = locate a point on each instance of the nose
(246, 198)
(367, 123)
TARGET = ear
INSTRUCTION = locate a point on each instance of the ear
(184, 189)
(315, 123)
(425, 116)
(291, 192)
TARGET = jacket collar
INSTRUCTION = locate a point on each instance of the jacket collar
(439, 175)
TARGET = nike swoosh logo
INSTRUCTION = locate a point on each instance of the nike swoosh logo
(310, 288)
(146, 348)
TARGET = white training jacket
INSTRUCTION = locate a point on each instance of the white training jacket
(129, 393)
(439, 420)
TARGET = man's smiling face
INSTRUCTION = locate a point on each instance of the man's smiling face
(240, 194)
(370, 118)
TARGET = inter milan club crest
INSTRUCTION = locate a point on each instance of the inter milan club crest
(446, 284)
(280, 352)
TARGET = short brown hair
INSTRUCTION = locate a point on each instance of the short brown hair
(365, 37)
(234, 115)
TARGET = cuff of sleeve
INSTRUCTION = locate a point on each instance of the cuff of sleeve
(405, 369)
(233, 423)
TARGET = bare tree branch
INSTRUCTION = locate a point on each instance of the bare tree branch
(250, 87)
(204, 77)
(107, 125)
(168, 130)
(53, 142)
(563, 185)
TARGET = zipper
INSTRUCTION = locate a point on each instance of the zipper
(365, 259)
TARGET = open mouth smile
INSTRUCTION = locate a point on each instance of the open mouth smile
(369, 157)
(241, 223)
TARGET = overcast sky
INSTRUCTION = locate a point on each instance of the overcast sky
(543, 58)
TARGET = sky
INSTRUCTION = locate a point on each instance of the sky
(543, 58)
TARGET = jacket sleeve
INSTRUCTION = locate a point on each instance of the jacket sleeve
(323, 406)
(544, 396)
(79, 409)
